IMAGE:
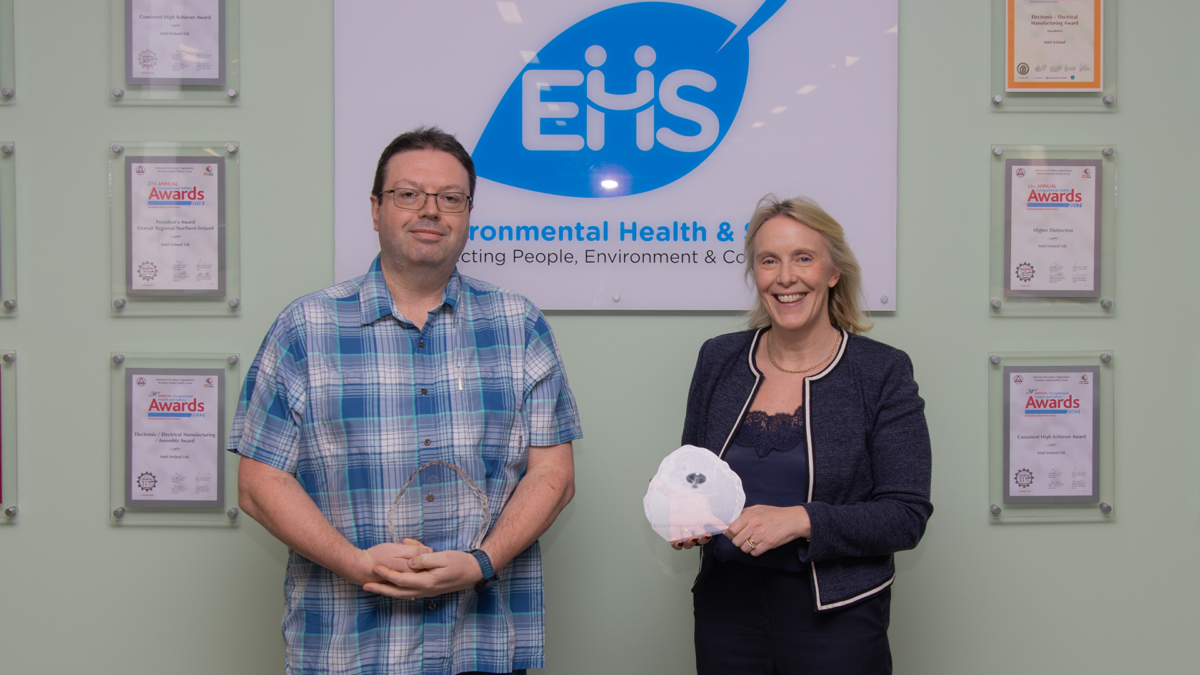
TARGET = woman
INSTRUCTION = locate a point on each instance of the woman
(827, 432)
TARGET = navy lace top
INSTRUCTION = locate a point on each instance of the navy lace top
(770, 454)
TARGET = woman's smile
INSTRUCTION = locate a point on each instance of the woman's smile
(788, 299)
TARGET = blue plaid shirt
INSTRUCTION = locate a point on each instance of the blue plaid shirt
(397, 432)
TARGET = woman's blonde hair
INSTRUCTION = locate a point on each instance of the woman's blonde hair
(845, 298)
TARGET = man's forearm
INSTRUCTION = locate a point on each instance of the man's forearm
(277, 501)
(547, 487)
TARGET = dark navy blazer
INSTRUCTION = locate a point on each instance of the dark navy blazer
(868, 455)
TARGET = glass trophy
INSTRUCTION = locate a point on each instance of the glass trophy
(440, 506)
(694, 493)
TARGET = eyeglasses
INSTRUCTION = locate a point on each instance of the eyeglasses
(411, 199)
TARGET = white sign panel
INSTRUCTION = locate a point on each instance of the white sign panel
(621, 148)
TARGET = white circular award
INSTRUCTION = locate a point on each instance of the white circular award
(694, 493)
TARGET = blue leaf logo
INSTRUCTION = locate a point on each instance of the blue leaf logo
(626, 101)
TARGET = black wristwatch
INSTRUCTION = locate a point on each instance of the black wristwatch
(485, 566)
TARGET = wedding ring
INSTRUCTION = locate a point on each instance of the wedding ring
(752, 544)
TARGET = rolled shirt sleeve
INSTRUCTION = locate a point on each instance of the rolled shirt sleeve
(549, 404)
(270, 411)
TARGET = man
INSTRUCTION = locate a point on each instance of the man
(408, 435)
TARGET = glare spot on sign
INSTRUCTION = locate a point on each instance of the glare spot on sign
(851, 60)
(608, 184)
(528, 57)
(757, 125)
(806, 89)
(778, 109)
(508, 12)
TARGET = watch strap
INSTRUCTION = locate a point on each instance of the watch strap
(485, 566)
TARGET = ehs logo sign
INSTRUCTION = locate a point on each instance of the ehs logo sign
(626, 101)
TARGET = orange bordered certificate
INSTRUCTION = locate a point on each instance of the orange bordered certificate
(1054, 45)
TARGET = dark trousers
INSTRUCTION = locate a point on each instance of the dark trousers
(759, 620)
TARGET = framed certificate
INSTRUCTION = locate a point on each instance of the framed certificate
(174, 218)
(1054, 45)
(175, 226)
(1052, 227)
(1050, 434)
(8, 436)
(8, 229)
(169, 425)
(8, 71)
(175, 42)
(174, 52)
(1054, 56)
(175, 437)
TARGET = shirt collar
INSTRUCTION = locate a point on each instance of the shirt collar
(376, 300)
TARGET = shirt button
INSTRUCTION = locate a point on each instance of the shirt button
(421, 344)
(427, 442)
(423, 392)
(431, 606)
(429, 498)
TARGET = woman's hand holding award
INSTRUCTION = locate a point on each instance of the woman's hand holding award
(693, 494)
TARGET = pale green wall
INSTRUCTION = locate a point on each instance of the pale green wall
(77, 595)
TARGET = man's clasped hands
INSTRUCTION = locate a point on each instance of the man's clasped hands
(411, 569)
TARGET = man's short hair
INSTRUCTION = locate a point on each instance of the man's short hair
(424, 138)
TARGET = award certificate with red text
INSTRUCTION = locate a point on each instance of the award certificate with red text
(174, 447)
(1050, 445)
(1052, 227)
(175, 220)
